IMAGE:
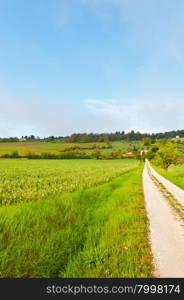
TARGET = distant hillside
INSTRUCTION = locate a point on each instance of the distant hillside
(99, 137)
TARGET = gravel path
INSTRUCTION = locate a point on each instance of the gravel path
(166, 231)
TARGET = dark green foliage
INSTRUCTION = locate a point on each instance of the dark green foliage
(101, 137)
(166, 155)
(147, 141)
(13, 154)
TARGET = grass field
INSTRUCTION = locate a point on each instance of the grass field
(95, 232)
(175, 173)
(55, 147)
(125, 145)
(41, 147)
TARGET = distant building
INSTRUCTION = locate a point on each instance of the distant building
(177, 137)
(22, 140)
(144, 152)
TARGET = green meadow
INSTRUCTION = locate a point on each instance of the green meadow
(57, 147)
(73, 218)
(41, 147)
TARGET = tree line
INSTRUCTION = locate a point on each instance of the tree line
(99, 137)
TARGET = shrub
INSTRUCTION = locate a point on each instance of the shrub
(13, 154)
(48, 155)
(166, 155)
(96, 153)
(6, 155)
(26, 153)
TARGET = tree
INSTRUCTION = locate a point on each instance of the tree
(154, 149)
(96, 153)
(32, 137)
(166, 155)
(106, 139)
(147, 141)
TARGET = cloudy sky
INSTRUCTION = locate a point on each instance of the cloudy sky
(91, 65)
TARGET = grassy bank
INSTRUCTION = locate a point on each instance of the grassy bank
(175, 173)
(98, 232)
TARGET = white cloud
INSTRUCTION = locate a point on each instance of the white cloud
(19, 117)
(144, 115)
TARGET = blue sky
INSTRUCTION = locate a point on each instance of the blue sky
(91, 65)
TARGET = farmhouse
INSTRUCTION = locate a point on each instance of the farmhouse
(144, 152)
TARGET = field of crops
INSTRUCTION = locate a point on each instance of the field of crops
(96, 232)
(31, 180)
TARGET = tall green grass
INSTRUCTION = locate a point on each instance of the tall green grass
(98, 232)
(175, 173)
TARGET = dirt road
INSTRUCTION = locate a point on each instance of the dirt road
(166, 231)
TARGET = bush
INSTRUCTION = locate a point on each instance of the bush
(26, 153)
(96, 153)
(74, 155)
(48, 155)
(6, 155)
(166, 155)
(13, 154)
